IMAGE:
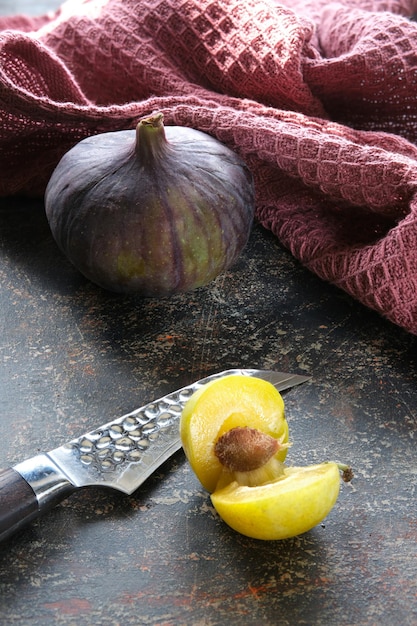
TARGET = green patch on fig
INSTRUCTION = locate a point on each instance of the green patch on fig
(156, 210)
(128, 266)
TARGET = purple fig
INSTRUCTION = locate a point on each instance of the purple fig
(156, 210)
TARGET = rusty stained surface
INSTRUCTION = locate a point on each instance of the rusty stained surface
(73, 357)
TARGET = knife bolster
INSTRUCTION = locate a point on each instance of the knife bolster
(49, 484)
(28, 489)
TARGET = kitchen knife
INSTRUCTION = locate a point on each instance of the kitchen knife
(121, 454)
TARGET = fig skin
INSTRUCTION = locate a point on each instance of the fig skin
(155, 211)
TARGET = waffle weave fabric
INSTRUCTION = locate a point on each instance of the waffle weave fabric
(319, 98)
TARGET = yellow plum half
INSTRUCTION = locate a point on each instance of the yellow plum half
(286, 507)
(223, 404)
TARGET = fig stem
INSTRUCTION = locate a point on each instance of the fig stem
(151, 142)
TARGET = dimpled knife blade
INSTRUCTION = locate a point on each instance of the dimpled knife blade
(120, 454)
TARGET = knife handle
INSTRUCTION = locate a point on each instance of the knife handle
(27, 490)
(18, 502)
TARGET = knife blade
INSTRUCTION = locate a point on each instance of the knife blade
(120, 454)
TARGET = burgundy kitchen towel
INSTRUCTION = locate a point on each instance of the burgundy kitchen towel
(319, 98)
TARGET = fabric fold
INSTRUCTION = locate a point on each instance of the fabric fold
(319, 98)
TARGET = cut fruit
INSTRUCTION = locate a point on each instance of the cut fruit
(223, 404)
(287, 507)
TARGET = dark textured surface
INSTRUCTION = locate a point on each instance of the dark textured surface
(73, 357)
